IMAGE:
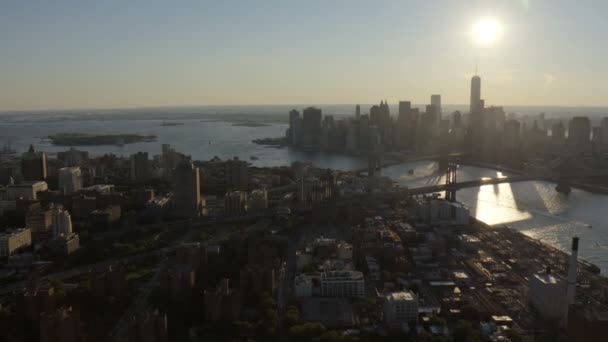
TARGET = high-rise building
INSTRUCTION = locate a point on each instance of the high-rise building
(511, 134)
(558, 134)
(604, 126)
(294, 133)
(62, 222)
(169, 160)
(141, 170)
(237, 174)
(311, 126)
(33, 165)
(475, 94)
(436, 101)
(186, 189)
(579, 131)
(357, 112)
(70, 179)
(235, 203)
(405, 112)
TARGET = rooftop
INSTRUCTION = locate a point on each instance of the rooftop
(401, 296)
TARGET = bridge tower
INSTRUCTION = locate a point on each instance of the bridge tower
(450, 179)
(443, 158)
(564, 168)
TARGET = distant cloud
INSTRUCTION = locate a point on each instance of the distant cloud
(549, 79)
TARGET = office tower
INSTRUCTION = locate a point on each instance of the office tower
(186, 189)
(237, 174)
(357, 112)
(380, 114)
(558, 134)
(579, 131)
(604, 128)
(70, 179)
(169, 160)
(62, 222)
(456, 119)
(475, 93)
(405, 112)
(295, 128)
(33, 165)
(141, 169)
(311, 126)
(511, 134)
(436, 101)
(432, 116)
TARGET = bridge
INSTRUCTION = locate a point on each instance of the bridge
(406, 159)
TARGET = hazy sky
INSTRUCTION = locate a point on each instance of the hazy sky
(126, 53)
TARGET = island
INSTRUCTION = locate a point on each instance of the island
(78, 139)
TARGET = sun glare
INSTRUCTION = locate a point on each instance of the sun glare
(486, 31)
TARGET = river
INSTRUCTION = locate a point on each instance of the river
(533, 207)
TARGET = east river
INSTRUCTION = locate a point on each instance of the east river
(532, 207)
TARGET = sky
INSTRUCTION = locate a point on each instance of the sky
(64, 54)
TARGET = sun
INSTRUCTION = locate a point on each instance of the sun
(486, 31)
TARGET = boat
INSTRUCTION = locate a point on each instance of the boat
(410, 171)
(254, 158)
(165, 123)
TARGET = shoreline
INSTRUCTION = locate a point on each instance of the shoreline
(583, 264)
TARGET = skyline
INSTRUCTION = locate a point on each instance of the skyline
(68, 55)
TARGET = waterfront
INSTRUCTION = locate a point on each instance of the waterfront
(531, 207)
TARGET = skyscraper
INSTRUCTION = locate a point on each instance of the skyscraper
(311, 125)
(405, 112)
(475, 93)
(357, 111)
(186, 189)
(436, 101)
(33, 165)
(579, 131)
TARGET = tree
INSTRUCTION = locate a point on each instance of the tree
(470, 313)
(292, 316)
(306, 332)
(464, 332)
(243, 330)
